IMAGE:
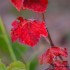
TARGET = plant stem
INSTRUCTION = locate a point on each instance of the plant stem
(49, 37)
(7, 41)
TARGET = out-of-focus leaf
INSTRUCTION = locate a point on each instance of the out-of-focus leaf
(2, 66)
(3, 45)
(33, 64)
(0, 31)
(19, 49)
(17, 66)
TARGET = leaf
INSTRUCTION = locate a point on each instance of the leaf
(33, 64)
(28, 31)
(51, 53)
(17, 65)
(7, 40)
(37, 6)
(17, 3)
(17, 48)
(2, 66)
(3, 44)
(61, 65)
(0, 30)
(21, 47)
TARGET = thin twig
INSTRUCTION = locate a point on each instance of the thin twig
(49, 37)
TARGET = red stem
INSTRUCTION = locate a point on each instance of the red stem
(49, 37)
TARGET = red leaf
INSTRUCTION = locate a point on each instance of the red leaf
(17, 3)
(28, 31)
(35, 5)
(51, 53)
(60, 65)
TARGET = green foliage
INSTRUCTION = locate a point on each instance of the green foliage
(0, 31)
(13, 50)
(2, 66)
(17, 66)
(19, 50)
(33, 64)
(5, 42)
